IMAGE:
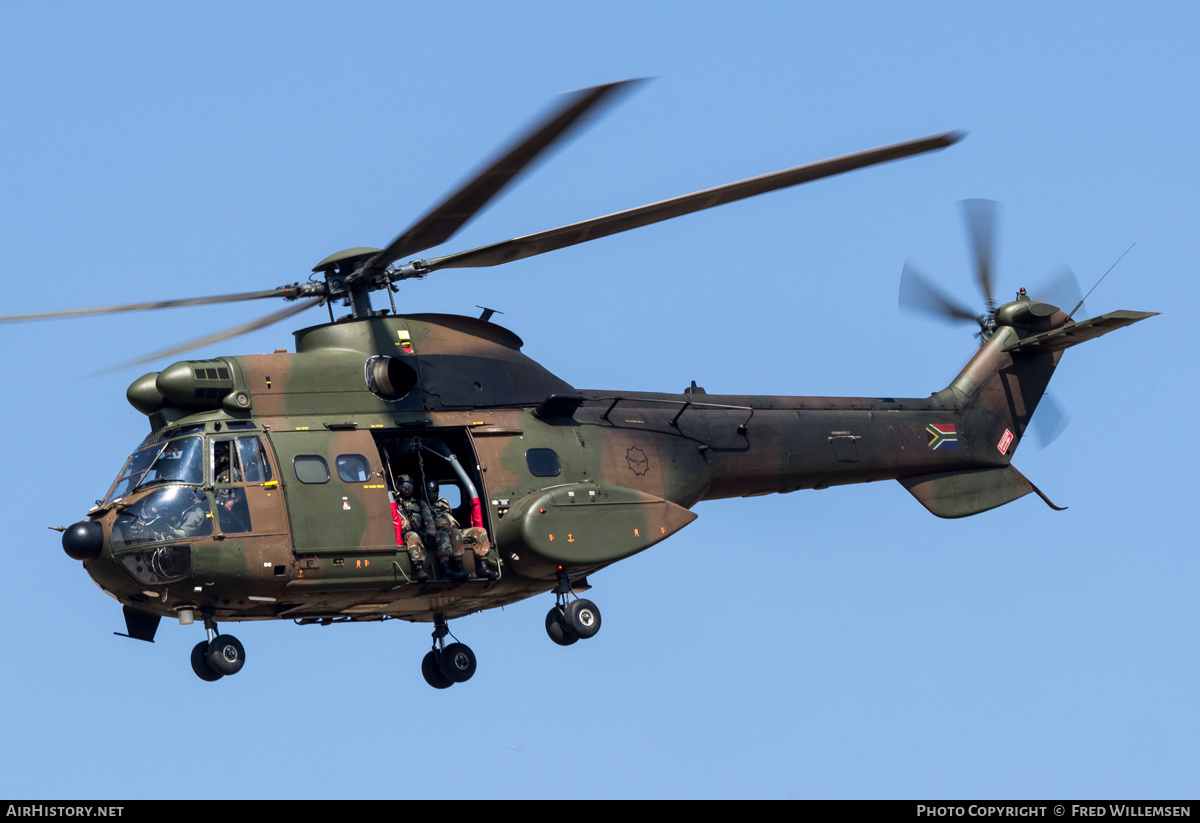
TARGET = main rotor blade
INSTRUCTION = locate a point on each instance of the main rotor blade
(445, 219)
(918, 294)
(570, 235)
(980, 216)
(283, 291)
(235, 331)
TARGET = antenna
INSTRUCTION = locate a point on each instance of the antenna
(1098, 282)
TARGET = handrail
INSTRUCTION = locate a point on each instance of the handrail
(686, 404)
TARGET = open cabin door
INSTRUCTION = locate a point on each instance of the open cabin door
(445, 457)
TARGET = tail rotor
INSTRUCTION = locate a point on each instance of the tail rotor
(919, 294)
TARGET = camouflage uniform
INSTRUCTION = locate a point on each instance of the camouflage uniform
(412, 520)
(411, 516)
(449, 542)
(476, 539)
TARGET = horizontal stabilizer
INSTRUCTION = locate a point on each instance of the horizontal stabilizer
(1081, 332)
(969, 491)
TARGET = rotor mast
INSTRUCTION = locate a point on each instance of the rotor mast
(343, 273)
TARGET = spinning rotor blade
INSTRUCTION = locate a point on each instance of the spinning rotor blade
(445, 219)
(1049, 421)
(283, 291)
(918, 294)
(570, 235)
(980, 216)
(235, 331)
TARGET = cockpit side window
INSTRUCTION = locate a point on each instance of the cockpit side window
(256, 467)
(235, 463)
(226, 468)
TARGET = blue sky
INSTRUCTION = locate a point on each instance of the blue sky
(841, 643)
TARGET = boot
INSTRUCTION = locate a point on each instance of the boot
(419, 568)
(482, 569)
(450, 573)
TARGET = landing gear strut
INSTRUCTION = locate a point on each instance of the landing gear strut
(571, 620)
(218, 656)
(444, 665)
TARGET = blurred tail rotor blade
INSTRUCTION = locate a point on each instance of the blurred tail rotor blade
(980, 217)
(208, 340)
(918, 294)
(1062, 291)
(1049, 421)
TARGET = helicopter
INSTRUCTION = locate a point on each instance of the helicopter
(314, 485)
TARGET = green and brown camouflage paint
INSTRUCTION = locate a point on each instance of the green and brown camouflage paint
(631, 464)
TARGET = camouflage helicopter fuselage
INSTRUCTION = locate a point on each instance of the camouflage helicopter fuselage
(566, 481)
(284, 486)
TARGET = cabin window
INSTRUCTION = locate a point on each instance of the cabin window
(452, 494)
(543, 463)
(353, 468)
(311, 468)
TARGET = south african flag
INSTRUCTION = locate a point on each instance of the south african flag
(942, 436)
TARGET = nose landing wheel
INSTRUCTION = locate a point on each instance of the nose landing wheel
(218, 656)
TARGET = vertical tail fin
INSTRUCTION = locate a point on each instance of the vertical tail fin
(1000, 388)
(997, 394)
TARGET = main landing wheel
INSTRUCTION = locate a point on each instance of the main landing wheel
(557, 631)
(200, 663)
(582, 619)
(432, 672)
(458, 662)
(446, 665)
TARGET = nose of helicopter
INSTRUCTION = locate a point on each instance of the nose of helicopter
(84, 540)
